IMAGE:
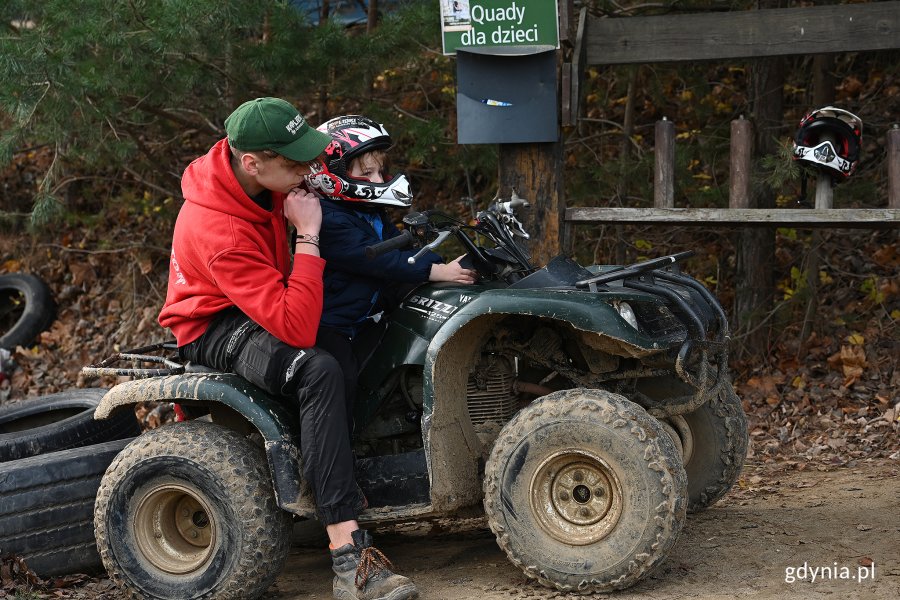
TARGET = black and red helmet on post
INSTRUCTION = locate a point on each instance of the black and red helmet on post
(829, 139)
(352, 136)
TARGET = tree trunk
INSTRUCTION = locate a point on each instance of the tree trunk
(372, 16)
(624, 159)
(823, 95)
(533, 172)
(756, 246)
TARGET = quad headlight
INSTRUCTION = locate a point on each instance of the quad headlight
(627, 313)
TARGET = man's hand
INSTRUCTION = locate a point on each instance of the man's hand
(303, 210)
(452, 272)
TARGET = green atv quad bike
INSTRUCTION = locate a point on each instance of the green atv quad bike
(586, 409)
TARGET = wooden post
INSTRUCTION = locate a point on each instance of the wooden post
(824, 191)
(741, 154)
(893, 165)
(664, 167)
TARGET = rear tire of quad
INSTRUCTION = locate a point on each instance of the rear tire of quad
(715, 439)
(585, 491)
(58, 422)
(38, 312)
(188, 511)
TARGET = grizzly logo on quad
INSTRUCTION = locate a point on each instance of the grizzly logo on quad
(431, 308)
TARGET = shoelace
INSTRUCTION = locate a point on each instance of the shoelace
(371, 562)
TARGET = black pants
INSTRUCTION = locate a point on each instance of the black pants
(312, 382)
(351, 354)
(340, 346)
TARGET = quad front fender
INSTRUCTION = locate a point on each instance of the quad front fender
(263, 412)
(452, 447)
(584, 310)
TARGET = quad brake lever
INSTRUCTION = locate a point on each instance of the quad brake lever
(437, 242)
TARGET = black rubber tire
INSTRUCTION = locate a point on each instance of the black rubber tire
(624, 459)
(58, 422)
(36, 316)
(47, 508)
(221, 481)
(719, 438)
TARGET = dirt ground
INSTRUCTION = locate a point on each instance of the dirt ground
(750, 545)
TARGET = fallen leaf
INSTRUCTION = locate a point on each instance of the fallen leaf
(12, 265)
(767, 384)
(853, 357)
(82, 274)
(850, 86)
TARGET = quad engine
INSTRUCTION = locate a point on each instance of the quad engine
(491, 396)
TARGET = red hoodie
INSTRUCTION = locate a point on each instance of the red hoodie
(228, 251)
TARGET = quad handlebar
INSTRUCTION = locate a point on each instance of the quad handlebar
(502, 257)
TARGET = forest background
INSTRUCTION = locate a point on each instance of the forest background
(105, 102)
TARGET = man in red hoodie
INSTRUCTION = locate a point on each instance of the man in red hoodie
(236, 302)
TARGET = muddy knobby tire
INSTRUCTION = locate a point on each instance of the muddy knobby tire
(585, 491)
(718, 445)
(188, 511)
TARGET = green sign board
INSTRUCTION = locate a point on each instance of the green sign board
(467, 23)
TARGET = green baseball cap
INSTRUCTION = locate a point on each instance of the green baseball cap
(274, 124)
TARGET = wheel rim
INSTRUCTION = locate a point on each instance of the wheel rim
(680, 424)
(673, 435)
(174, 528)
(576, 497)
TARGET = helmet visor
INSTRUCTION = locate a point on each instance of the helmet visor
(824, 154)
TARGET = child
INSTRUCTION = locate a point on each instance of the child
(357, 191)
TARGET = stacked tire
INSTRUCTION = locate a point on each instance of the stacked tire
(26, 309)
(53, 455)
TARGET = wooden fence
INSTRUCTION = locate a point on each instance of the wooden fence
(730, 35)
(739, 213)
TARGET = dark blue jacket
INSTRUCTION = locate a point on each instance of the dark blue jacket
(354, 284)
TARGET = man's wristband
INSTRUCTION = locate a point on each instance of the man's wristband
(310, 239)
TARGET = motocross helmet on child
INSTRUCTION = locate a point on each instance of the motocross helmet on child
(352, 137)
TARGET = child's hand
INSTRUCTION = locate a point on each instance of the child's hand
(452, 272)
(302, 209)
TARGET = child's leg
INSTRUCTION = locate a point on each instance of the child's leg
(338, 345)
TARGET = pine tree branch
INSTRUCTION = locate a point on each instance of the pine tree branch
(152, 185)
(161, 112)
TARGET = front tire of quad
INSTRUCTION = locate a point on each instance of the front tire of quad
(585, 491)
(188, 511)
(714, 438)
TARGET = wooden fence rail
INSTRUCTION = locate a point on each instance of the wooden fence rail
(743, 34)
